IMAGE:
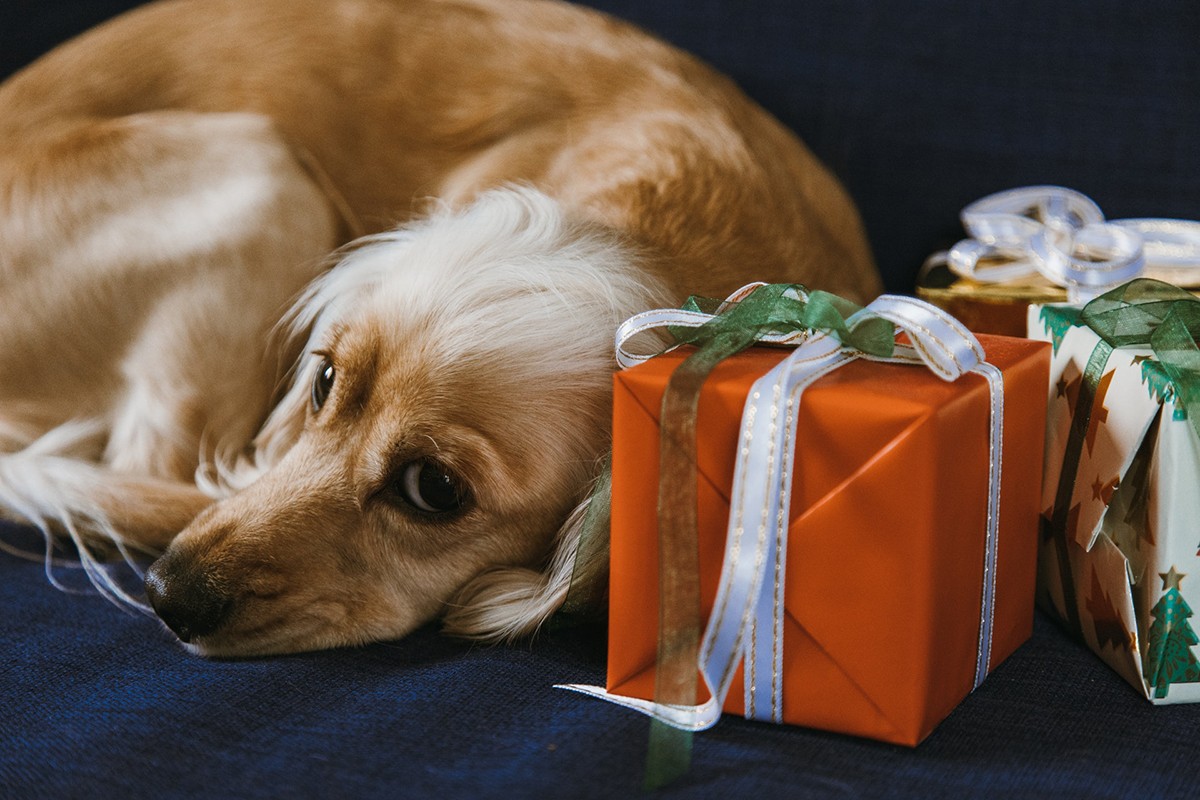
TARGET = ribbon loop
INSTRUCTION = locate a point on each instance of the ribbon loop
(1063, 235)
(941, 341)
(1172, 248)
(1095, 257)
(766, 313)
(1161, 317)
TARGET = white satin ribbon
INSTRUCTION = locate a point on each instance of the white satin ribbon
(1062, 234)
(658, 318)
(747, 619)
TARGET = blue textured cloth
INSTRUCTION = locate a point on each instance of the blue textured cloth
(97, 703)
(920, 108)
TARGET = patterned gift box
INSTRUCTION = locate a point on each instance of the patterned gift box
(1120, 556)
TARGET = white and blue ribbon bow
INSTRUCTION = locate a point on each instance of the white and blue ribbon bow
(747, 620)
(1063, 235)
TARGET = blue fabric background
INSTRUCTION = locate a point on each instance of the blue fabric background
(96, 703)
(920, 108)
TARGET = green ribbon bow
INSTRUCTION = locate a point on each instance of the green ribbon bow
(1141, 313)
(1162, 317)
(784, 308)
(770, 309)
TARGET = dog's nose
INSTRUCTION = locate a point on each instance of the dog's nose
(185, 598)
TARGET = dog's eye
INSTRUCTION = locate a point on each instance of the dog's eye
(428, 487)
(322, 384)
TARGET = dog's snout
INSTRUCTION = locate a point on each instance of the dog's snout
(185, 597)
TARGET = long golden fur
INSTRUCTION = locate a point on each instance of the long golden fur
(410, 440)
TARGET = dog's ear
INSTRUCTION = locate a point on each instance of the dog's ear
(507, 603)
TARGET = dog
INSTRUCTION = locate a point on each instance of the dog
(316, 297)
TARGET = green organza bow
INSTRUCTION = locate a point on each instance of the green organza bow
(784, 308)
(1162, 317)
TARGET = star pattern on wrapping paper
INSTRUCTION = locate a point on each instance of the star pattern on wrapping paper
(1136, 361)
(1099, 411)
(1171, 579)
(1103, 490)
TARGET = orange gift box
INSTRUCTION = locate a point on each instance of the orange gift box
(885, 559)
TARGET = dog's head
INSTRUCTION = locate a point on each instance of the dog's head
(446, 418)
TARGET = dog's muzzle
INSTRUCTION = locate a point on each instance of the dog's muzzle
(185, 598)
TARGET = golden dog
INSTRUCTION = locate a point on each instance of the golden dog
(410, 440)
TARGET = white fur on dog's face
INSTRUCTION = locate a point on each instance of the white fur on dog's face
(472, 351)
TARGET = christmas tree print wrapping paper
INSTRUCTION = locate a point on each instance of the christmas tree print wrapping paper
(885, 554)
(1119, 553)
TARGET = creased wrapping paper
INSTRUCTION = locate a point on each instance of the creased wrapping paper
(1123, 569)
